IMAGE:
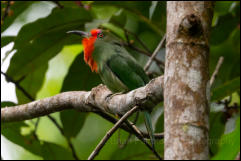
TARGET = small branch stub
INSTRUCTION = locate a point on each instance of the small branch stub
(190, 26)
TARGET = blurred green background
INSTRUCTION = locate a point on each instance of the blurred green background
(37, 52)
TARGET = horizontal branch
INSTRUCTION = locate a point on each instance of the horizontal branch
(99, 98)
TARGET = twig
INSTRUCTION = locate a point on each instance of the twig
(110, 133)
(58, 4)
(127, 37)
(140, 136)
(215, 73)
(131, 128)
(160, 45)
(130, 134)
(50, 117)
(145, 52)
(124, 126)
(68, 140)
(5, 12)
(159, 62)
(35, 129)
(139, 40)
(18, 86)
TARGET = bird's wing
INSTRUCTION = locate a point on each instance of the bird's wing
(128, 72)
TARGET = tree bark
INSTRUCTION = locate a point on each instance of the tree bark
(186, 80)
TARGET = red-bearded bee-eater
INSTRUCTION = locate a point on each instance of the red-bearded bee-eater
(118, 70)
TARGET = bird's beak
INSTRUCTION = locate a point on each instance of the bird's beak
(77, 32)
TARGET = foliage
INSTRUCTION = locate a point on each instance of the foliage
(47, 61)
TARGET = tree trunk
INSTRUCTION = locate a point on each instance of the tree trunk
(186, 80)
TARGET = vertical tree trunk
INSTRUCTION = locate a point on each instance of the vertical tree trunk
(186, 80)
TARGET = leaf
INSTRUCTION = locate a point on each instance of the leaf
(72, 122)
(160, 124)
(39, 41)
(80, 76)
(229, 144)
(31, 84)
(226, 89)
(18, 7)
(5, 40)
(139, 9)
(228, 70)
(223, 7)
(12, 131)
(51, 151)
(217, 122)
(136, 150)
(7, 104)
(152, 8)
(226, 24)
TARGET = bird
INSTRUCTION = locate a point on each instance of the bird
(118, 70)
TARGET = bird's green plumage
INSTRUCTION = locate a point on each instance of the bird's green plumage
(119, 71)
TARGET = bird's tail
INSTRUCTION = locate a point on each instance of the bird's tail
(149, 128)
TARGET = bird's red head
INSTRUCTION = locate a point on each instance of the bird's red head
(95, 32)
(88, 42)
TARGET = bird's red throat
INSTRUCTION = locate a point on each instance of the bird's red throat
(88, 44)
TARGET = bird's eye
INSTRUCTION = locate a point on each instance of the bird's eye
(100, 35)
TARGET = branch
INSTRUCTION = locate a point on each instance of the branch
(130, 134)
(6, 12)
(127, 127)
(159, 62)
(58, 4)
(110, 133)
(137, 38)
(8, 78)
(215, 73)
(84, 101)
(153, 56)
(140, 136)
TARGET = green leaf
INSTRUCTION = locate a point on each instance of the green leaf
(7, 104)
(51, 151)
(160, 124)
(136, 150)
(6, 40)
(94, 129)
(226, 89)
(39, 41)
(138, 9)
(18, 7)
(31, 84)
(226, 24)
(72, 122)
(222, 7)
(12, 131)
(58, 68)
(217, 122)
(229, 68)
(229, 144)
(80, 76)
(152, 8)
